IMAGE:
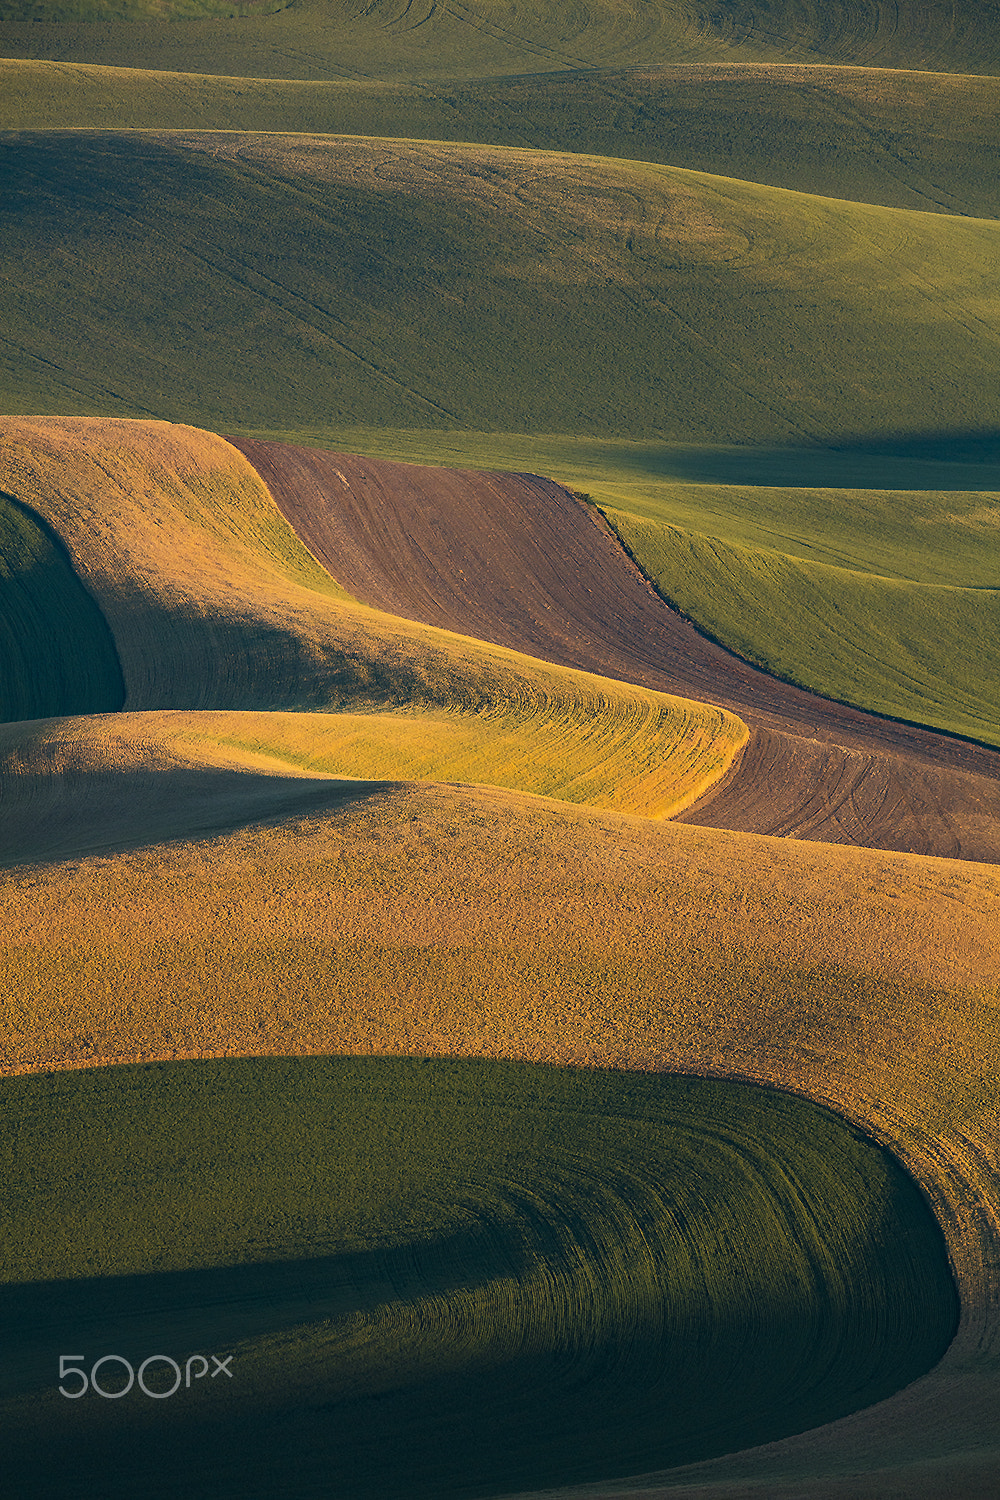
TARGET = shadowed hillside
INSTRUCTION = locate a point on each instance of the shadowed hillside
(56, 652)
(376, 839)
(473, 922)
(215, 604)
(554, 1246)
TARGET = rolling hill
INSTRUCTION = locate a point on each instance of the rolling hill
(528, 568)
(591, 1314)
(557, 293)
(312, 39)
(474, 923)
(379, 840)
(348, 916)
(213, 602)
(903, 139)
(58, 654)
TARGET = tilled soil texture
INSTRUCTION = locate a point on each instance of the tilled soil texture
(520, 561)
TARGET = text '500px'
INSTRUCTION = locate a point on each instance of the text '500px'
(158, 1376)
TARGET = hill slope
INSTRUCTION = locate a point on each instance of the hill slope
(904, 647)
(526, 1219)
(57, 652)
(907, 140)
(656, 316)
(472, 922)
(557, 293)
(313, 39)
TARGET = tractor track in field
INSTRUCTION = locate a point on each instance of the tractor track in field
(520, 561)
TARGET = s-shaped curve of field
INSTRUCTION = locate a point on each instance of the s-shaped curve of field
(468, 923)
(521, 562)
(213, 604)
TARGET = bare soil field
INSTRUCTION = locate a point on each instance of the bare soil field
(520, 561)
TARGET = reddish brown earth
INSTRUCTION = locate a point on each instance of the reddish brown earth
(520, 561)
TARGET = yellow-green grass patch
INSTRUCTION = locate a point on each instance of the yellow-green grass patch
(74, 785)
(650, 758)
(61, 12)
(916, 651)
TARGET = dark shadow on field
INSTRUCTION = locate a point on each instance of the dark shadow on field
(499, 1420)
(930, 461)
(187, 1312)
(522, 1349)
(114, 811)
(61, 177)
(57, 654)
(947, 446)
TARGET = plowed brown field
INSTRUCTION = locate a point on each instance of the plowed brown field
(520, 561)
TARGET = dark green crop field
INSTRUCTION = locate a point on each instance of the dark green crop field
(444, 1277)
(57, 655)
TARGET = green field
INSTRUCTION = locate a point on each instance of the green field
(663, 322)
(907, 140)
(496, 38)
(940, 462)
(447, 1277)
(797, 559)
(895, 643)
(557, 293)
